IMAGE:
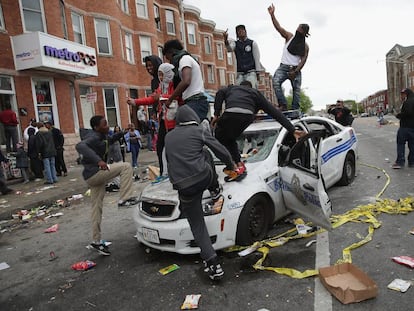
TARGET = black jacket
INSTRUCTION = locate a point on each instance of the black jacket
(44, 143)
(184, 145)
(342, 115)
(239, 96)
(58, 138)
(406, 115)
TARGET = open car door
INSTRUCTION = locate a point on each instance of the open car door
(302, 186)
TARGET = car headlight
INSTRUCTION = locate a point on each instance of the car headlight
(213, 207)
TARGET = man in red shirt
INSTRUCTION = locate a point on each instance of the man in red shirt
(9, 119)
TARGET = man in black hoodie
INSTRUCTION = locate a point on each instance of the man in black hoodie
(405, 133)
(191, 170)
(242, 104)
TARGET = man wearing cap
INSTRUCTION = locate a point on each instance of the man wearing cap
(405, 133)
(295, 54)
(341, 113)
(247, 56)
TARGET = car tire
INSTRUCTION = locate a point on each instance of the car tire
(348, 171)
(253, 222)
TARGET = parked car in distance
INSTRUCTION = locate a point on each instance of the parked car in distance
(364, 115)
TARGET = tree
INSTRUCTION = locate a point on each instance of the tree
(304, 101)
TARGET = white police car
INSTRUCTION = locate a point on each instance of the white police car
(282, 176)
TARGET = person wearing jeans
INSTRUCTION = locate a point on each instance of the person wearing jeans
(133, 140)
(47, 152)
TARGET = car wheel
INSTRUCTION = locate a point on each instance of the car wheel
(253, 223)
(348, 171)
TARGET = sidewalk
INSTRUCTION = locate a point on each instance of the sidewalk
(35, 194)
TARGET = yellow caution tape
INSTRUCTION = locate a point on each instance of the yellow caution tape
(361, 214)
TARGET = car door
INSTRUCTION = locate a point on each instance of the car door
(302, 186)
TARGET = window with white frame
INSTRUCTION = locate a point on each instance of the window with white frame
(63, 19)
(207, 44)
(33, 15)
(169, 18)
(191, 33)
(2, 26)
(145, 44)
(157, 17)
(111, 98)
(222, 76)
(220, 51)
(142, 8)
(78, 28)
(230, 58)
(129, 50)
(124, 6)
(210, 74)
(103, 36)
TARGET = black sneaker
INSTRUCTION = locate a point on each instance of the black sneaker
(216, 193)
(214, 270)
(128, 203)
(100, 248)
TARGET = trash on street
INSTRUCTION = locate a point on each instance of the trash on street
(404, 260)
(399, 285)
(83, 265)
(190, 302)
(169, 269)
(53, 228)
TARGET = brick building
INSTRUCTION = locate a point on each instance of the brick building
(376, 102)
(66, 60)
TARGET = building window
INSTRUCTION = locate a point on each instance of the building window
(222, 76)
(191, 33)
(129, 50)
(111, 99)
(63, 17)
(157, 17)
(2, 26)
(124, 6)
(230, 58)
(231, 78)
(145, 43)
(78, 28)
(207, 44)
(220, 51)
(45, 97)
(142, 8)
(103, 36)
(33, 17)
(210, 74)
(169, 17)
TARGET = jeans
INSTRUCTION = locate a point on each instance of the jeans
(149, 141)
(50, 170)
(229, 127)
(280, 76)
(200, 106)
(11, 138)
(134, 154)
(248, 76)
(404, 135)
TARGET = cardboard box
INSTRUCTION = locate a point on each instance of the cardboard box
(153, 172)
(348, 283)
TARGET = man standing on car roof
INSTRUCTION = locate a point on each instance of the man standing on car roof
(191, 170)
(242, 103)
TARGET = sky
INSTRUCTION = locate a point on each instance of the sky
(347, 47)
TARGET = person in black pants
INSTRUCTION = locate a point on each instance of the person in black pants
(242, 103)
(3, 186)
(36, 165)
(59, 141)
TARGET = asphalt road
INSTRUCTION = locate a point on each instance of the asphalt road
(129, 278)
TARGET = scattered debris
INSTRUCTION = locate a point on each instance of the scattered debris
(83, 265)
(190, 302)
(404, 260)
(4, 265)
(53, 228)
(90, 303)
(52, 256)
(169, 269)
(310, 243)
(399, 285)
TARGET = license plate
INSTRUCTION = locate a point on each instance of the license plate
(151, 235)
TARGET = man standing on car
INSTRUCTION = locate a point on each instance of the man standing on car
(97, 173)
(295, 54)
(242, 104)
(405, 133)
(191, 170)
(247, 56)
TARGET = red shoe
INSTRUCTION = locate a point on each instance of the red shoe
(241, 168)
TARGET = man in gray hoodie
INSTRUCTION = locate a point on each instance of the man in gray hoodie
(191, 170)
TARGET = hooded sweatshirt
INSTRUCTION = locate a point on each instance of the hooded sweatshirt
(184, 146)
(406, 115)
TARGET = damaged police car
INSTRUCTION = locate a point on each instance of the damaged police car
(282, 176)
